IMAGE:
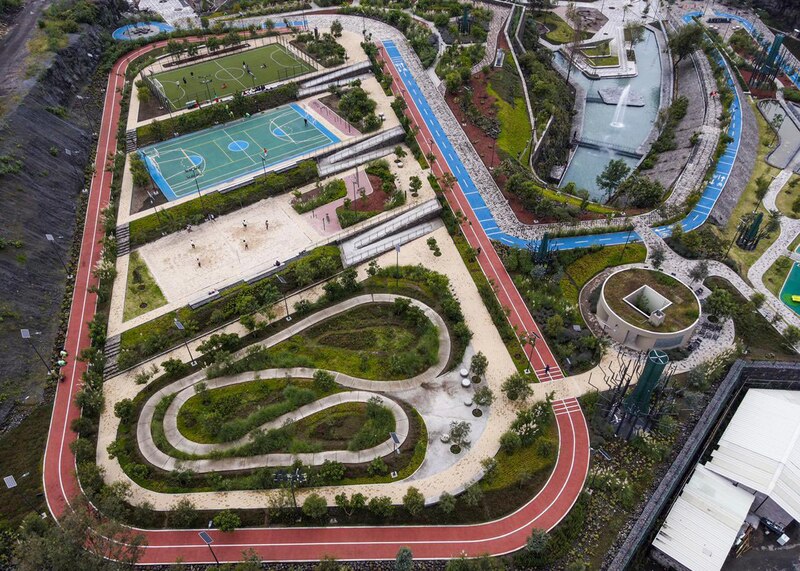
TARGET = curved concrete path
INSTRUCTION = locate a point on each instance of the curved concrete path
(365, 389)
(166, 462)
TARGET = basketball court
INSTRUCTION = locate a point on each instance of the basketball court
(236, 150)
(229, 74)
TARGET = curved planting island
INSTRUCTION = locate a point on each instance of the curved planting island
(273, 428)
(252, 417)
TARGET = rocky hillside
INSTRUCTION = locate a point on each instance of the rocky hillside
(785, 13)
(45, 147)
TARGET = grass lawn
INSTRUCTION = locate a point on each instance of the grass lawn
(580, 271)
(142, 293)
(515, 129)
(776, 274)
(787, 197)
(223, 76)
(21, 450)
(527, 462)
(560, 32)
(603, 61)
(347, 426)
(747, 202)
(228, 413)
(683, 311)
(575, 201)
(370, 342)
(601, 49)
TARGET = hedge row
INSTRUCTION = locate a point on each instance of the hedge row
(212, 115)
(153, 337)
(151, 227)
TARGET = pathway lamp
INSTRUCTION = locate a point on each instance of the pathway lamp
(181, 327)
(283, 282)
(52, 241)
(26, 334)
(530, 340)
(291, 478)
(208, 540)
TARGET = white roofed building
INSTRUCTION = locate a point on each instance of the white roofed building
(704, 522)
(755, 467)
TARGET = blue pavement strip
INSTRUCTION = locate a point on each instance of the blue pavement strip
(693, 220)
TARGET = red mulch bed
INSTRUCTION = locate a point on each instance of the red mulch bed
(482, 142)
(759, 93)
(376, 200)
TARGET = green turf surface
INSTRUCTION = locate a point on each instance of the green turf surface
(227, 75)
(227, 152)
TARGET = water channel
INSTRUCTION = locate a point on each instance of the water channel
(634, 124)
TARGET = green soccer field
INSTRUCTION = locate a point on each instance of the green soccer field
(229, 74)
(234, 151)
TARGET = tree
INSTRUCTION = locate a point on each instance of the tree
(537, 541)
(447, 503)
(762, 187)
(635, 31)
(758, 299)
(79, 541)
(124, 409)
(658, 256)
(699, 271)
(351, 504)
(415, 184)
(479, 364)
(413, 501)
(721, 304)
(269, 24)
(612, 176)
(484, 396)
(183, 513)
(336, 28)
(517, 387)
(576, 21)
(510, 442)
(315, 506)
(792, 335)
(226, 520)
(381, 506)
(686, 40)
(323, 380)
(473, 495)
(459, 433)
(641, 192)
(404, 560)
(489, 466)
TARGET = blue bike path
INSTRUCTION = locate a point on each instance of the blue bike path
(693, 220)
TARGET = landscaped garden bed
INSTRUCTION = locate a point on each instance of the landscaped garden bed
(385, 196)
(142, 293)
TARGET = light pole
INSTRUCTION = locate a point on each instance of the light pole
(26, 334)
(81, 99)
(195, 170)
(208, 540)
(530, 340)
(52, 241)
(264, 163)
(180, 327)
(291, 478)
(283, 282)
(397, 266)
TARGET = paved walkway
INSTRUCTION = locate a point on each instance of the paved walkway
(158, 458)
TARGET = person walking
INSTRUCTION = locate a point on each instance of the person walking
(245, 243)
(192, 243)
(198, 263)
(266, 224)
(244, 223)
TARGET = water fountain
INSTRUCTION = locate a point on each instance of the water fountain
(619, 114)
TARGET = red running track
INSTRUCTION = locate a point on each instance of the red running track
(497, 537)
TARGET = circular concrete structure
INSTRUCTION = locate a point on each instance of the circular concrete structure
(646, 309)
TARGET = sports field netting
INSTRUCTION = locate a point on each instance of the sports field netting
(234, 150)
(229, 74)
